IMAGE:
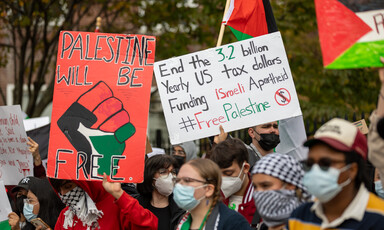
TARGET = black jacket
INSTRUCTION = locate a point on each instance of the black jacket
(176, 212)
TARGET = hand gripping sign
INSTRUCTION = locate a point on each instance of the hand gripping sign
(97, 125)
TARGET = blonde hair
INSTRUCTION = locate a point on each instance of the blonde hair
(210, 171)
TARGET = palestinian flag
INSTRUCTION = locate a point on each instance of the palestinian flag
(351, 33)
(250, 18)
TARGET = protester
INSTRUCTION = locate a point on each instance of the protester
(265, 138)
(375, 140)
(40, 202)
(184, 152)
(378, 185)
(156, 191)
(278, 189)
(231, 156)
(197, 190)
(21, 191)
(96, 204)
(335, 175)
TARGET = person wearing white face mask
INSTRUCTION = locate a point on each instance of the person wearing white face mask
(197, 191)
(232, 157)
(335, 171)
(156, 191)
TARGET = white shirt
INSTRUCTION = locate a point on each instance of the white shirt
(355, 209)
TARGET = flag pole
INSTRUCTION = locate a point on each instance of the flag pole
(222, 28)
(98, 24)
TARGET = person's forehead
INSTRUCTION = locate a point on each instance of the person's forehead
(188, 171)
(177, 147)
(268, 124)
(31, 195)
(22, 190)
(320, 150)
(263, 178)
(169, 168)
(234, 166)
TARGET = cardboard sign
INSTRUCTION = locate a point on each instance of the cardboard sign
(16, 162)
(238, 85)
(100, 106)
(351, 33)
(362, 126)
(5, 207)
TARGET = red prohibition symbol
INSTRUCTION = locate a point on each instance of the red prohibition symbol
(282, 97)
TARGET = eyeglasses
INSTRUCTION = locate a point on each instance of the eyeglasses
(166, 172)
(186, 180)
(30, 201)
(324, 163)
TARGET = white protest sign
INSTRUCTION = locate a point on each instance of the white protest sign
(5, 207)
(35, 123)
(16, 161)
(238, 85)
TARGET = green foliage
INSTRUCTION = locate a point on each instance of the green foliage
(31, 27)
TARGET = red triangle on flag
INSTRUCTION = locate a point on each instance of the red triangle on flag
(248, 17)
(339, 28)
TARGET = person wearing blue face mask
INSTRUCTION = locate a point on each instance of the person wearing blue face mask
(41, 202)
(197, 190)
(335, 175)
(378, 185)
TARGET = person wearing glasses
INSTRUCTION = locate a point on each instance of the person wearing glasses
(335, 171)
(197, 190)
(156, 191)
(40, 201)
(278, 189)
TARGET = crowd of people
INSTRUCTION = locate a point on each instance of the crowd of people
(236, 186)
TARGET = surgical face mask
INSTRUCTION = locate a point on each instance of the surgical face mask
(28, 212)
(183, 196)
(268, 141)
(323, 184)
(275, 206)
(231, 185)
(164, 185)
(379, 189)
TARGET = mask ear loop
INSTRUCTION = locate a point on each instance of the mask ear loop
(242, 167)
(257, 134)
(345, 168)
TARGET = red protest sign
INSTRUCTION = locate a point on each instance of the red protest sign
(100, 106)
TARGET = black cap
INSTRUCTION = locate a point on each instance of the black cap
(24, 183)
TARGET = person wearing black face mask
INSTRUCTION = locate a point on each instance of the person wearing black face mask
(184, 152)
(265, 138)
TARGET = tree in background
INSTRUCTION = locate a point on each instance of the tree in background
(29, 31)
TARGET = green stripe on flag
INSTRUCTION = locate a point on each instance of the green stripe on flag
(4, 225)
(360, 55)
(240, 35)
